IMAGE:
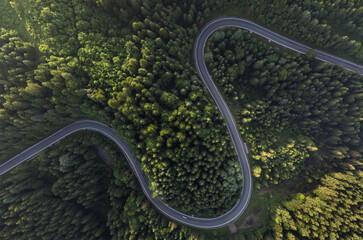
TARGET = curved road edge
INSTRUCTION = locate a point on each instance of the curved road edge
(217, 23)
(32, 152)
(239, 208)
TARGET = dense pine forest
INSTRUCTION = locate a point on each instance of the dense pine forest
(335, 25)
(129, 64)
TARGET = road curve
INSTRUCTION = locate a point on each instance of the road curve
(31, 153)
(239, 146)
(276, 38)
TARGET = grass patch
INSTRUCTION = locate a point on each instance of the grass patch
(257, 201)
(259, 205)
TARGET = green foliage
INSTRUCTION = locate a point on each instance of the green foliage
(333, 211)
(293, 109)
(300, 117)
(127, 63)
(155, 98)
(311, 54)
(29, 209)
(333, 25)
(80, 174)
(79, 61)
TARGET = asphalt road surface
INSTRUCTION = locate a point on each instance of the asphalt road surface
(273, 37)
(239, 146)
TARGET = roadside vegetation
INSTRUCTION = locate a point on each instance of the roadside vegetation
(334, 26)
(301, 119)
(128, 63)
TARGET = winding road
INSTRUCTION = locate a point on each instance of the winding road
(239, 146)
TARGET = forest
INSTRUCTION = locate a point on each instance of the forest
(301, 119)
(129, 64)
(333, 25)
